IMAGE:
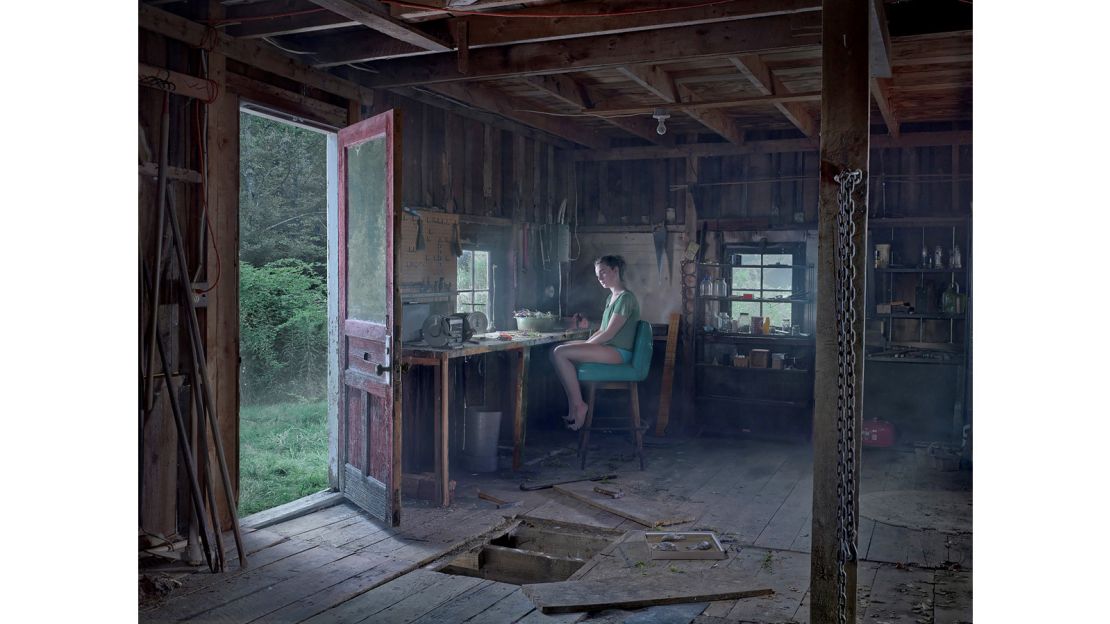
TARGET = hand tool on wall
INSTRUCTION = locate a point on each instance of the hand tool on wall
(659, 237)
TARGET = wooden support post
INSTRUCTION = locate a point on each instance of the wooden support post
(668, 376)
(442, 432)
(845, 109)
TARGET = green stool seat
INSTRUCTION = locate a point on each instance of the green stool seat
(618, 377)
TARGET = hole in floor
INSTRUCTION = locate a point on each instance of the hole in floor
(532, 552)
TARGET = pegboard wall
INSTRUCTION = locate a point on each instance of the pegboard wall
(437, 260)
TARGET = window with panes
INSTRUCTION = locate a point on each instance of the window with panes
(473, 281)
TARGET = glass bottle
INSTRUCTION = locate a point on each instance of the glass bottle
(938, 258)
(948, 299)
(924, 257)
(954, 258)
(705, 288)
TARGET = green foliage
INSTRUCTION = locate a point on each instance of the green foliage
(284, 454)
(283, 331)
(282, 192)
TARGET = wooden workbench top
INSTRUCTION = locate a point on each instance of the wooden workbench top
(488, 343)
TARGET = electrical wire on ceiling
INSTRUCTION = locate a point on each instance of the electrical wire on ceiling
(271, 41)
(531, 15)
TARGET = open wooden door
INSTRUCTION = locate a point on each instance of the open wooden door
(369, 325)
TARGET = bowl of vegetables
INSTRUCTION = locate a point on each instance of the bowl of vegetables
(534, 320)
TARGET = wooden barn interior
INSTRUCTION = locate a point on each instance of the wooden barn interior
(789, 184)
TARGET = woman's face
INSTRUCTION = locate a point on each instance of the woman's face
(607, 276)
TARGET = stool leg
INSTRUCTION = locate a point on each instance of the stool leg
(637, 433)
(584, 433)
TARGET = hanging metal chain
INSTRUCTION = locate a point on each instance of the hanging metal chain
(846, 415)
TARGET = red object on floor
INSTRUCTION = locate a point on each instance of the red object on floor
(877, 433)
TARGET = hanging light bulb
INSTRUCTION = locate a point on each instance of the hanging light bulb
(662, 115)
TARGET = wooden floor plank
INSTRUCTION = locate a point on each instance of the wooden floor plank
(250, 581)
(378, 599)
(902, 594)
(951, 597)
(337, 594)
(446, 588)
(316, 519)
(574, 512)
(291, 590)
(480, 598)
(511, 608)
(785, 572)
(787, 520)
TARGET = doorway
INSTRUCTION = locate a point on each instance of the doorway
(283, 310)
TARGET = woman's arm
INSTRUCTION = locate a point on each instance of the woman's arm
(616, 322)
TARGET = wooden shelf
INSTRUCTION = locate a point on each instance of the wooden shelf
(718, 265)
(922, 317)
(749, 368)
(910, 270)
(743, 300)
(797, 341)
(754, 401)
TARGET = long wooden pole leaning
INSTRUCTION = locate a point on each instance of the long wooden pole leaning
(197, 348)
(183, 443)
(163, 175)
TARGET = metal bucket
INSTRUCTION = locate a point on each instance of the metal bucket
(480, 443)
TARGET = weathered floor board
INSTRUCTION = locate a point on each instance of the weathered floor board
(338, 565)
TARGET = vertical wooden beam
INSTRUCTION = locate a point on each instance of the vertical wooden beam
(221, 324)
(845, 110)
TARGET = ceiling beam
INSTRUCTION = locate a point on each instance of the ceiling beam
(571, 92)
(485, 31)
(778, 146)
(376, 17)
(437, 8)
(601, 52)
(252, 53)
(880, 90)
(880, 41)
(757, 72)
(759, 100)
(299, 16)
(659, 83)
(496, 101)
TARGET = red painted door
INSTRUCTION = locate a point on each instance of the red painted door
(369, 306)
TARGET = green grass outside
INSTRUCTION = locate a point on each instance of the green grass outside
(283, 453)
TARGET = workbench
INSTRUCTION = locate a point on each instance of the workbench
(423, 355)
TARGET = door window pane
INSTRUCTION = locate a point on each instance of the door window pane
(366, 223)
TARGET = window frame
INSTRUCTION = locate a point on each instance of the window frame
(484, 307)
(797, 252)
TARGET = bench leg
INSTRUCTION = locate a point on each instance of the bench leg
(584, 433)
(637, 433)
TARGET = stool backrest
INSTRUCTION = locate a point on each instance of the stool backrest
(641, 350)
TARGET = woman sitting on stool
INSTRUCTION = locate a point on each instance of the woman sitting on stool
(611, 344)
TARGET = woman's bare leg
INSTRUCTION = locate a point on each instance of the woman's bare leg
(564, 357)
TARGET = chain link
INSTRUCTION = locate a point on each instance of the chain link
(846, 415)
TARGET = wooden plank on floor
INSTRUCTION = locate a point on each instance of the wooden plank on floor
(751, 518)
(951, 597)
(378, 599)
(337, 594)
(300, 507)
(284, 593)
(787, 520)
(785, 572)
(482, 597)
(900, 594)
(642, 510)
(572, 512)
(644, 591)
(246, 583)
(346, 532)
(315, 520)
(443, 590)
(199, 581)
(511, 608)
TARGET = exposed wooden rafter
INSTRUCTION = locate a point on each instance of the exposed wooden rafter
(245, 51)
(880, 90)
(757, 72)
(495, 101)
(298, 16)
(659, 83)
(376, 17)
(569, 91)
(589, 53)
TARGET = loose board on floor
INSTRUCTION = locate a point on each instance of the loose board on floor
(636, 508)
(635, 591)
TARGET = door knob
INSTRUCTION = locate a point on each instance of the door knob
(381, 369)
